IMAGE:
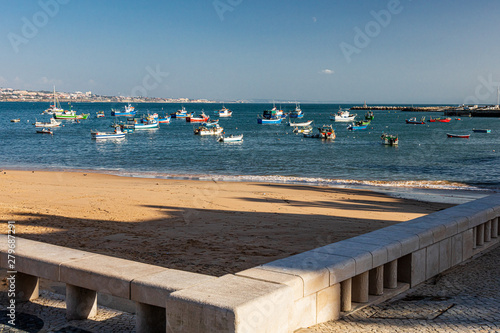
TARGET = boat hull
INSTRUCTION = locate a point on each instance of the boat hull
(269, 121)
(139, 127)
(458, 136)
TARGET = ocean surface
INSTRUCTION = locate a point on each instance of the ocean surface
(425, 158)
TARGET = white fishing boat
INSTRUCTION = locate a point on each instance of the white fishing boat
(343, 115)
(15, 120)
(56, 107)
(51, 123)
(224, 112)
(302, 130)
(304, 124)
(117, 134)
(204, 130)
(146, 124)
(231, 138)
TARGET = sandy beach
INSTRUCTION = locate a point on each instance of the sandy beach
(200, 226)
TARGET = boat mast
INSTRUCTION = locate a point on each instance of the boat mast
(498, 96)
(54, 97)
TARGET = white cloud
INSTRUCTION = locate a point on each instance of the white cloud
(314, 19)
(327, 71)
(52, 82)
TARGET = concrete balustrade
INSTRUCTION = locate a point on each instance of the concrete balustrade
(280, 296)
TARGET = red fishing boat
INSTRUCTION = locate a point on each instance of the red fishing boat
(200, 119)
(461, 136)
(439, 120)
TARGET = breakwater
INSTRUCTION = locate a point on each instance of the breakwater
(404, 108)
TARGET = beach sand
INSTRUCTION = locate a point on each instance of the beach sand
(207, 227)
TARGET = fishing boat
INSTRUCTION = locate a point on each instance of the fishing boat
(128, 112)
(203, 130)
(56, 107)
(45, 131)
(369, 115)
(100, 114)
(461, 136)
(51, 123)
(117, 134)
(326, 132)
(304, 124)
(70, 114)
(439, 120)
(458, 118)
(15, 120)
(359, 125)
(297, 113)
(165, 120)
(145, 123)
(199, 119)
(182, 113)
(414, 120)
(390, 140)
(211, 123)
(273, 116)
(231, 138)
(343, 116)
(302, 130)
(477, 130)
(224, 112)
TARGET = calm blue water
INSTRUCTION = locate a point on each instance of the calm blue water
(269, 152)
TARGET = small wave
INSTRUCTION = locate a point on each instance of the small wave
(421, 184)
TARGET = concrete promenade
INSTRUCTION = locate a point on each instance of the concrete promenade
(465, 298)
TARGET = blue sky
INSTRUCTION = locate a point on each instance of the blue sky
(416, 52)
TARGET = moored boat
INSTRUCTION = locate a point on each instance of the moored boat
(369, 115)
(302, 130)
(51, 123)
(15, 120)
(461, 136)
(343, 116)
(273, 116)
(56, 107)
(390, 140)
(297, 113)
(165, 120)
(478, 130)
(224, 112)
(231, 138)
(128, 112)
(325, 132)
(182, 113)
(145, 123)
(199, 119)
(359, 125)
(439, 120)
(414, 120)
(117, 134)
(203, 130)
(45, 131)
(100, 114)
(211, 123)
(304, 124)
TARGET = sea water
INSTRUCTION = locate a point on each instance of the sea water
(425, 157)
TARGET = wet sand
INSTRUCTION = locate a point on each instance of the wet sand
(200, 226)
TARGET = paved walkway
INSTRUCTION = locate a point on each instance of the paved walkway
(463, 299)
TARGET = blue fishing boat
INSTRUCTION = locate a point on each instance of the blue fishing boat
(129, 111)
(273, 116)
(146, 123)
(182, 113)
(356, 127)
(297, 113)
